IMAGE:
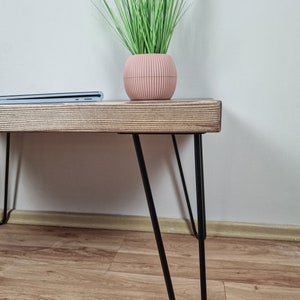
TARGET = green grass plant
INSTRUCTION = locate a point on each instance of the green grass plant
(144, 26)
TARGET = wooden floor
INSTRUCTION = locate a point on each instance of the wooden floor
(72, 264)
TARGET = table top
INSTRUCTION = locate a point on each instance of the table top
(155, 116)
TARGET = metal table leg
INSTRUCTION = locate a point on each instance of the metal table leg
(200, 211)
(153, 215)
(5, 206)
(201, 234)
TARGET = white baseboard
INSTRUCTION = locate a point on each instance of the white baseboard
(136, 223)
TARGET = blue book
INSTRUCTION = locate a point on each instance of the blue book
(93, 96)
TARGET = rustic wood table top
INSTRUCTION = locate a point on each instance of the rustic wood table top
(155, 116)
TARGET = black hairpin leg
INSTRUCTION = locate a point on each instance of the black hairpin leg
(200, 211)
(153, 216)
(5, 206)
(200, 232)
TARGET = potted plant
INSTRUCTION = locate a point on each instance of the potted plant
(146, 27)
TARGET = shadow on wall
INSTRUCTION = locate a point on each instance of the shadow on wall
(252, 177)
(93, 173)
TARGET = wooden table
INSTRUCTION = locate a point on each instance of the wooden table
(181, 116)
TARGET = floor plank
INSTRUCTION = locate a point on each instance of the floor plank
(52, 263)
(236, 291)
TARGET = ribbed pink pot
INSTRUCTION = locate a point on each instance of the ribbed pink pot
(150, 77)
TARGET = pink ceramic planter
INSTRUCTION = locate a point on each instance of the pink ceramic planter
(150, 77)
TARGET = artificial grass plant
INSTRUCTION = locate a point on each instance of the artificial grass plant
(144, 26)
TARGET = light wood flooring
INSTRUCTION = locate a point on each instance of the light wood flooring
(82, 264)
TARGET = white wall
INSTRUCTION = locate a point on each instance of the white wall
(245, 53)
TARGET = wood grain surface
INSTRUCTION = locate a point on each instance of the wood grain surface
(178, 116)
(55, 263)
